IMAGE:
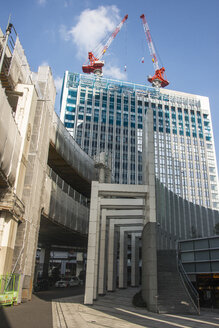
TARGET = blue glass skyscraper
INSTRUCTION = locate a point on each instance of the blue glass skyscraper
(107, 115)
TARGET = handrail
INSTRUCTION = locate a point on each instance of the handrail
(189, 286)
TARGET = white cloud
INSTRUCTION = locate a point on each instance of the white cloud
(91, 28)
(41, 2)
(58, 83)
(114, 72)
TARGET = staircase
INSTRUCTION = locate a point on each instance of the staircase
(173, 295)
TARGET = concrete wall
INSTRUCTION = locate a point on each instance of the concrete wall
(178, 218)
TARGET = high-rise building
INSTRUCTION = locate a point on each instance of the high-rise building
(107, 115)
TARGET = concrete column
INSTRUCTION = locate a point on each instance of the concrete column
(111, 244)
(135, 259)
(96, 271)
(79, 263)
(103, 255)
(112, 256)
(149, 266)
(46, 262)
(115, 264)
(63, 268)
(149, 247)
(42, 259)
(7, 241)
(92, 244)
(123, 259)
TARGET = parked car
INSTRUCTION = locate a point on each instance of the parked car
(62, 283)
(75, 281)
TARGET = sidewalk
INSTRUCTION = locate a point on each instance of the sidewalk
(115, 310)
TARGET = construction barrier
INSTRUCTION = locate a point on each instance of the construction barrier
(9, 287)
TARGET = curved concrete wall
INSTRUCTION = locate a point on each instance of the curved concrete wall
(64, 206)
(71, 152)
(178, 218)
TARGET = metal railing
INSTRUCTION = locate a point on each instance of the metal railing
(67, 188)
(188, 285)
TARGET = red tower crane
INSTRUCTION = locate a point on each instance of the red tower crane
(95, 63)
(158, 80)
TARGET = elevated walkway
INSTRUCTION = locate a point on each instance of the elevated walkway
(68, 160)
(65, 214)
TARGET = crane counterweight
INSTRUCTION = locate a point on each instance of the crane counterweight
(95, 63)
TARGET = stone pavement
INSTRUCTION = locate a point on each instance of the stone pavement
(115, 310)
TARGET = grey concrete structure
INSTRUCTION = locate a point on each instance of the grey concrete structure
(130, 219)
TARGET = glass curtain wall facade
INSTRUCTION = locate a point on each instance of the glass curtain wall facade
(107, 115)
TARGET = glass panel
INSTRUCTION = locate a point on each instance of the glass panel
(189, 267)
(214, 242)
(215, 254)
(215, 266)
(202, 256)
(203, 267)
(185, 246)
(201, 244)
(186, 257)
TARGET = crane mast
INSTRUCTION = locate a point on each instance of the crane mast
(158, 80)
(95, 63)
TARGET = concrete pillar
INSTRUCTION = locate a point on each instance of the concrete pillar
(103, 255)
(116, 245)
(123, 259)
(92, 245)
(135, 259)
(42, 259)
(96, 264)
(46, 262)
(111, 260)
(79, 263)
(7, 241)
(149, 266)
(63, 268)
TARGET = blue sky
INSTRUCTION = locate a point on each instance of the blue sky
(186, 34)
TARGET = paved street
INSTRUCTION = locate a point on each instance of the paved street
(38, 312)
(111, 311)
(116, 311)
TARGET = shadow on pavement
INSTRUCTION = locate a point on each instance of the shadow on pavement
(54, 293)
(3, 319)
(37, 312)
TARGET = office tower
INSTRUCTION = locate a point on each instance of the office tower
(105, 115)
